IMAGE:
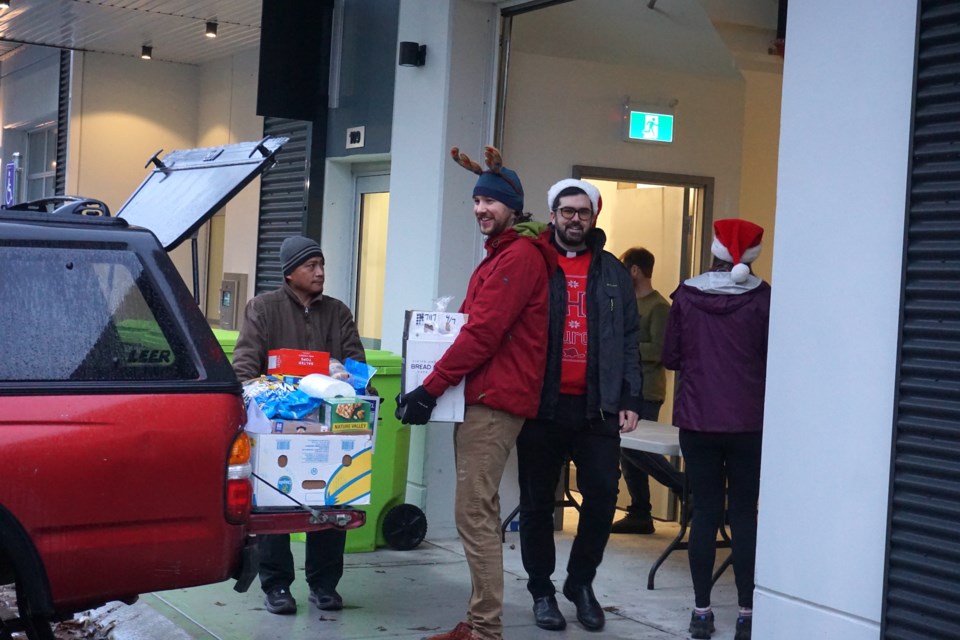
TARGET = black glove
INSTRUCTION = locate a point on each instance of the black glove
(415, 407)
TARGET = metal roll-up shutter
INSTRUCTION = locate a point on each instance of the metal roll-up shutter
(283, 191)
(63, 119)
(922, 586)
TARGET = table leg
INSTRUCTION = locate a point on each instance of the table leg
(677, 542)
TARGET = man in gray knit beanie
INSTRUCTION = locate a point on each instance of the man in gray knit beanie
(296, 250)
(298, 316)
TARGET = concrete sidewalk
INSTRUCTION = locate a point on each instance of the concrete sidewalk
(411, 594)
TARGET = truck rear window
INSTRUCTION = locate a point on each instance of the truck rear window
(69, 314)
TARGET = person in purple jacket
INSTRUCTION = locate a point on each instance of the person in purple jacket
(716, 339)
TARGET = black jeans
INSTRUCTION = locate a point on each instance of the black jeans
(324, 562)
(716, 461)
(542, 449)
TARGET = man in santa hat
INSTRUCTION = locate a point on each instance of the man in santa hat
(591, 393)
(716, 339)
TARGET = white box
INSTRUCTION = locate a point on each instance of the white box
(316, 470)
(426, 337)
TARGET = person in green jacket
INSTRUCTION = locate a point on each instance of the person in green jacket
(637, 466)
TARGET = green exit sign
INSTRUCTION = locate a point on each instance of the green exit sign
(650, 127)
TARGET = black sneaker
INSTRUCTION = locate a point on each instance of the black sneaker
(744, 628)
(701, 625)
(633, 524)
(280, 601)
(326, 600)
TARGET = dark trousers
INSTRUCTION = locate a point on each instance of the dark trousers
(715, 461)
(638, 466)
(543, 448)
(324, 562)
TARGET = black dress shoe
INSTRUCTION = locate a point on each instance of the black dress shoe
(326, 600)
(547, 613)
(589, 612)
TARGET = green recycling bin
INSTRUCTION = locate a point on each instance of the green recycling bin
(389, 520)
(227, 339)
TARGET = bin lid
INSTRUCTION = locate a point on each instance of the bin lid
(226, 337)
(386, 362)
(188, 186)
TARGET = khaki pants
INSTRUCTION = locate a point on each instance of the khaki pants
(482, 443)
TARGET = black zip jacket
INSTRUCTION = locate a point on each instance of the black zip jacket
(614, 380)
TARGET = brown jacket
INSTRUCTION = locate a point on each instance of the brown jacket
(277, 320)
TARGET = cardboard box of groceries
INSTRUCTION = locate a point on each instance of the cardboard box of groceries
(426, 337)
(317, 470)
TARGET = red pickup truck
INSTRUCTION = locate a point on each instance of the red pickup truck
(124, 467)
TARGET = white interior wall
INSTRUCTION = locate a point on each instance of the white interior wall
(227, 115)
(834, 321)
(564, 112)
(126, 110)
(761, 138)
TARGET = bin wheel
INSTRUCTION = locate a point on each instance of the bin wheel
(404, 527)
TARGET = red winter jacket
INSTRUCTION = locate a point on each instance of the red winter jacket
(501, 350)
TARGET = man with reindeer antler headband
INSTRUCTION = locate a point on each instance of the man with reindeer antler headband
(499, 352)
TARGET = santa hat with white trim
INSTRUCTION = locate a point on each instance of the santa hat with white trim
(592, 192)
(737, 242)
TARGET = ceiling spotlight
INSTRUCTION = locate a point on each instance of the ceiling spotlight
(4, 4)
(211, 29)
(146, 52)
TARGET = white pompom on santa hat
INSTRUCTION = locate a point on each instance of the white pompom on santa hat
(737, 242)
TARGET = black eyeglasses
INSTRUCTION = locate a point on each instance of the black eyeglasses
(568, 212)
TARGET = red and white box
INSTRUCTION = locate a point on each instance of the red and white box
(294, 362)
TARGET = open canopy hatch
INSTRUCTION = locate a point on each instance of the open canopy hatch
(188, 186)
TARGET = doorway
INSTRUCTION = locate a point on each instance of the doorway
(665, 214)
(371, 211)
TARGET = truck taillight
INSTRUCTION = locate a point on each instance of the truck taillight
(239, 498)
(240, 451)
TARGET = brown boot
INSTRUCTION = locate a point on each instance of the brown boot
(462, 631)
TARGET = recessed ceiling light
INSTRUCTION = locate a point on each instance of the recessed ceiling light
(146, 52)
(211, 29)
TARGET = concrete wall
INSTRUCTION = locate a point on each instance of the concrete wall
(841, 198)
(433, 240)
